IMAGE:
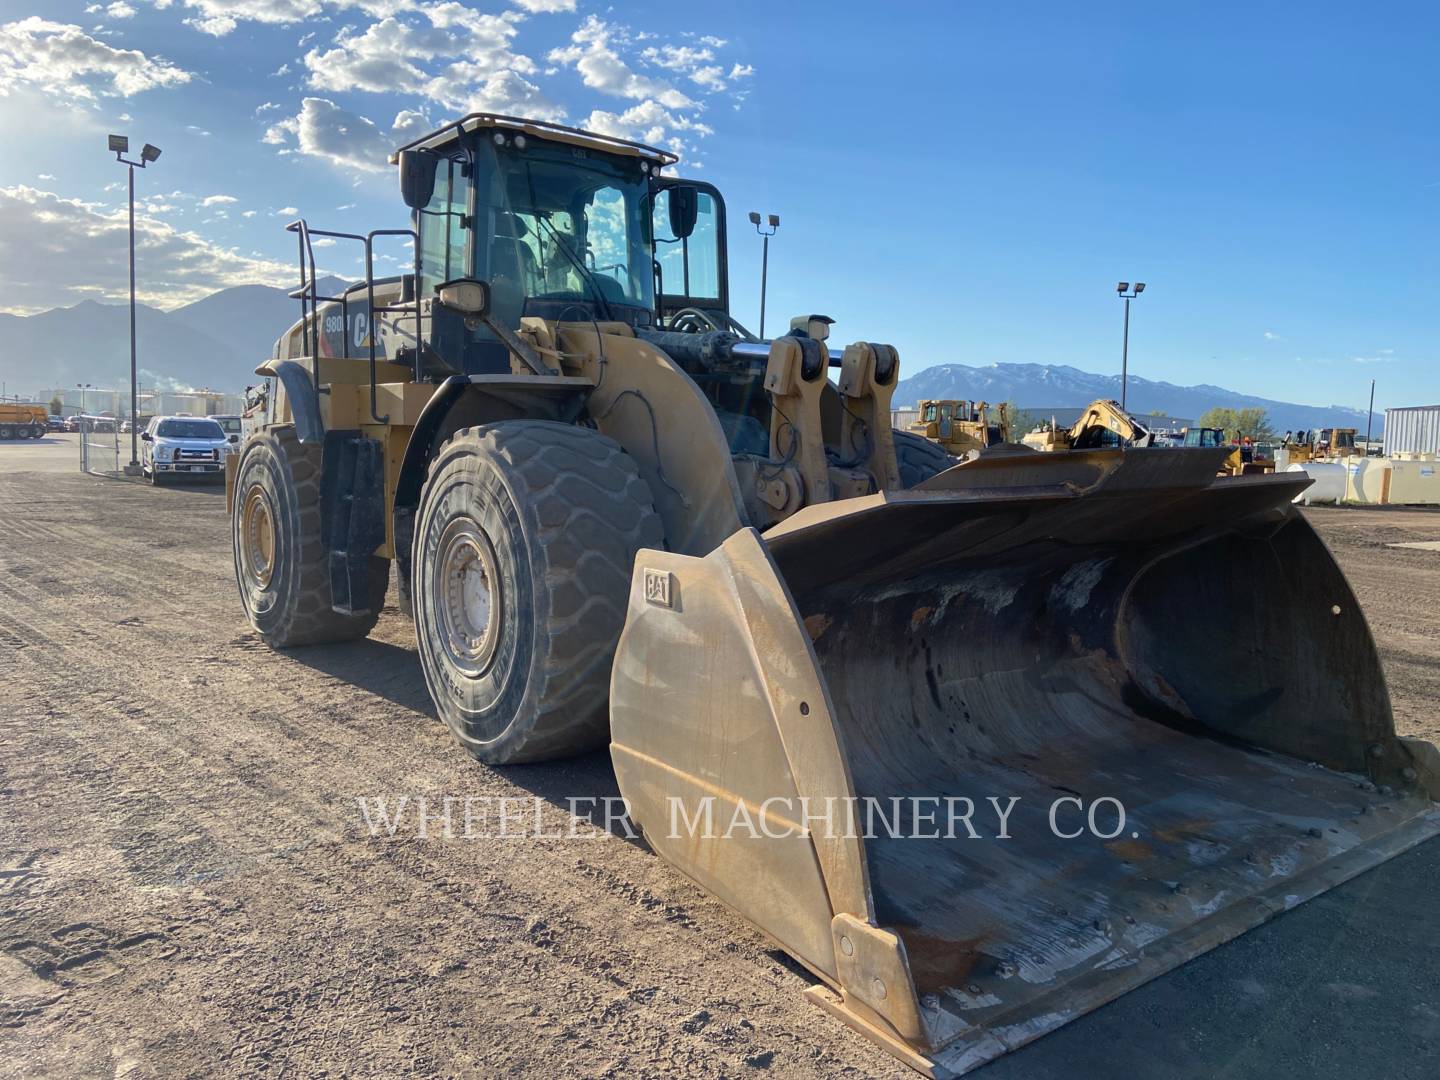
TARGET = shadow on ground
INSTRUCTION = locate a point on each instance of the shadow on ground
(393, 673)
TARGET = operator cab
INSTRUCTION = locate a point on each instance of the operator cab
(1204, 437)
(563, 225)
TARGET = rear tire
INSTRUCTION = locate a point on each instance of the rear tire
(6, 431)
(918, 458)
(525, 542)
(281, 565)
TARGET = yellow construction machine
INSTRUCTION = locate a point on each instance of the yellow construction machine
(618, 518)
(959, 426)
(1320, 444)
(1102, 424)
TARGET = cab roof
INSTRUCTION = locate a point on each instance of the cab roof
(539, 129)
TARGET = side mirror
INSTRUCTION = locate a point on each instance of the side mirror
(145, 436)
(684, 206)
(234, 438)
(468, 296)
(417, 177)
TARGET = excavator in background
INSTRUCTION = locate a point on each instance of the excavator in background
(1103, 424)
(616, 518)
(959, 426)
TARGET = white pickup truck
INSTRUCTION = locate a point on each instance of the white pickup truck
(182, 446)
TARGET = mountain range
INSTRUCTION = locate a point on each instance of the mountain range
(1040, 387)
(216, 342)
(213, 343)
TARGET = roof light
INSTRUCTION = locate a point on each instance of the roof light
(519, 142)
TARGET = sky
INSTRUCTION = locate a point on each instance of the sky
(966, 181)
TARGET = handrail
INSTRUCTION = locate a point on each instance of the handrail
(310, 300)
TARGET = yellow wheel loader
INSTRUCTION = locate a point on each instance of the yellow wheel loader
(935, 730)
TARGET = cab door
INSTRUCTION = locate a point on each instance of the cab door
(946, 421)
(691, 271)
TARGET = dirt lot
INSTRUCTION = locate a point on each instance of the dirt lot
(187, 886)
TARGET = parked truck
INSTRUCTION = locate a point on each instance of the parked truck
(23, 420)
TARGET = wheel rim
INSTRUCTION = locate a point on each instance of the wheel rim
(467, 596)
(257, 536)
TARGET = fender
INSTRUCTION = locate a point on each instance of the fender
(303, 397)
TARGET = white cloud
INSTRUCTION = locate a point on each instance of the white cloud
(219, 17)
(62, 60)
(86, 255)
(452, 55)
(120, 10)
(1270, 335)
(218, 200)
(677, 57)
(323, 129)
(286, 211)
(592, 52)
(648, 122)
(544, 7)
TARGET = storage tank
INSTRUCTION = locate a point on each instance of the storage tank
(1412, 430)
(1414, 483)
(1329, 485)
(1368, 480)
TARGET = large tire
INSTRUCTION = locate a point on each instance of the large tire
(281, 565)
(918, 458)
(6, 431)
(525, 542)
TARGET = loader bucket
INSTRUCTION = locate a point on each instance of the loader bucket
(823, 725)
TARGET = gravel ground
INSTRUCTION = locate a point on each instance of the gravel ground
(187, 886)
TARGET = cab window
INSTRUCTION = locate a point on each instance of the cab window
(930, 413)
(689, 267)
(444, 227)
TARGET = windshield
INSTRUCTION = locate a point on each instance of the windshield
(229, 423)
(1202, 437)
(565, 226)
(189, 429)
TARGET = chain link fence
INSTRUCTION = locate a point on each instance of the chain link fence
(100, 450)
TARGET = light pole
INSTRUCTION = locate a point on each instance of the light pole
(120, 144)
(1127, 294)
(1370, 418)
(773, 221)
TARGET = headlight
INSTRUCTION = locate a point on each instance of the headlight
(162, 451)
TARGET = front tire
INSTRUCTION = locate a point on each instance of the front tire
(525, 541)
(281, 565)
